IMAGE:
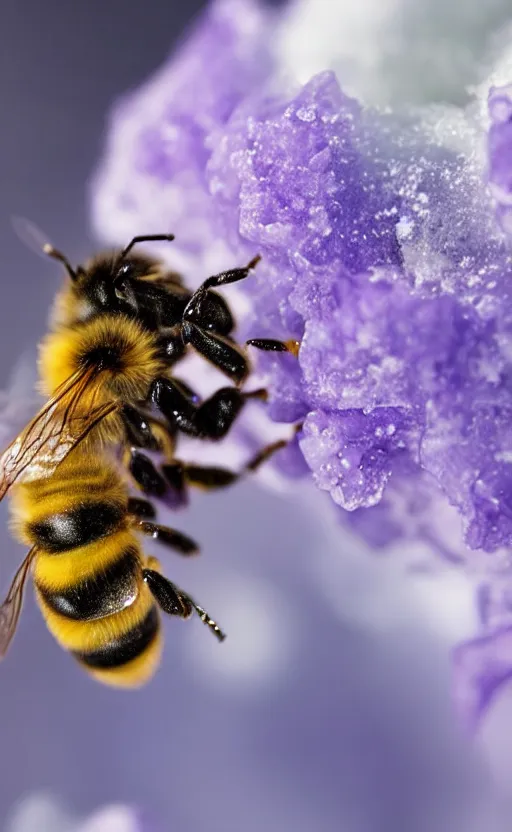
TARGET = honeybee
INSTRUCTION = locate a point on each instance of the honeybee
(105, 365)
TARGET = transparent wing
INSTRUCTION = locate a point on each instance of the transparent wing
(31, 235)
(11, 607)
(54, 432)
(38, 242)
(19, 399)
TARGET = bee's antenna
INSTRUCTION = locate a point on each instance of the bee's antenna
(36, 240)
(57, 255)
(145, 238)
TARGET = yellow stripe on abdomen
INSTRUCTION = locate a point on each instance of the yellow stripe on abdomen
(65, 569)
(134, 672)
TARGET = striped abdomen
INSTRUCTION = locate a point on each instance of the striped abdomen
(88, 569)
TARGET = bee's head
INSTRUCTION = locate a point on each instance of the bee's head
(121, 283)
(108, 283)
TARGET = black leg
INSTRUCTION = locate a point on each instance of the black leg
(223, 353)
(172, 480)
(175, 477)
(222, 279)
(211, 312)
(265, 454)
(212, 477)
(141, 508)
(175, 403)
(172, 600)
(166, 483)
(166, 594)
(207, 320)
(209, 477)
(212, 419)
(169, 537)
(146, 432)
(230, 276)
(215, 416)
(138, 429)
(146, 474)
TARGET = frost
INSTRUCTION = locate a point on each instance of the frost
(385, 240)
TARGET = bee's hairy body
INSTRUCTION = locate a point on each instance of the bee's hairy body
(120, 325)
(88, 569)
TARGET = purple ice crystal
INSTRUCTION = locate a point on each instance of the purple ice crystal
(382, 250)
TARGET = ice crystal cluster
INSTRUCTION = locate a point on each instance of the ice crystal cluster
(384, 234)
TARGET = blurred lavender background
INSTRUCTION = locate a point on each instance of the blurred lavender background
(329, 706)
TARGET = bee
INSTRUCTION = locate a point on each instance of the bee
(106, 366)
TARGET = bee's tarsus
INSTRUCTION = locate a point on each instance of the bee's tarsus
(173, 601)
(262, 456)
(229, 276)
(205, 618)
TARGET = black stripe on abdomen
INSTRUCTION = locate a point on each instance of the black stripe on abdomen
(79, 526)
(110, 591)
(122, 650)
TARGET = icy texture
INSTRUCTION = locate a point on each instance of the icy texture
(384, 245)
(379, 251)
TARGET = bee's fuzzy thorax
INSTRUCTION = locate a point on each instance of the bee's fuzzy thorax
(124, 353)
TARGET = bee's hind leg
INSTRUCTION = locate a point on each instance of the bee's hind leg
(181, 543)
(174, 601)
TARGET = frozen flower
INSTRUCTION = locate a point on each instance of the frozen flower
(385, 251)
